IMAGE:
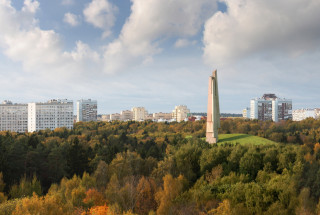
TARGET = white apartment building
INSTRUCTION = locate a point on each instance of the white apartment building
(180, 113)
(301, 114)
(13, 117)
(52, 114)
(86, 110)
(270, 107)
(139, 113)
(126, 115)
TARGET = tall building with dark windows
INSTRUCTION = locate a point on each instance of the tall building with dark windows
(270, 107)
(87, 110)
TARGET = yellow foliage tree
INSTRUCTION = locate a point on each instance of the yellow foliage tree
(223, 208)
(165, 197)
(48, 205)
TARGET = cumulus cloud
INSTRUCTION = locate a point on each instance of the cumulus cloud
(249, 27)
(152, 21)
(71, 19)
(101, 14)
(30, 6)
(40, 51)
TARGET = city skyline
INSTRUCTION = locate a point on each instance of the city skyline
(161, 57)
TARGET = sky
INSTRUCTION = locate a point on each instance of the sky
(160, 53)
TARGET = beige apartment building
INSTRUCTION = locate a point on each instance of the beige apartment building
(139, 113)
(180, 113)
(115, 116)
(126, 115)
(160, 115)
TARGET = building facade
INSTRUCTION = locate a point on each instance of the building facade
(270, 107)
(126, 115)
(180, 113)
(50, 115)
(162, 116)
(87, 110)
(13, 117)
(246, 113)
(301, 114)
(139, 113)
(115, 116)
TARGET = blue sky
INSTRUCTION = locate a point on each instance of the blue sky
(160, 53)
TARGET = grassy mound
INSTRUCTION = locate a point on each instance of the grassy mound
(243, 139)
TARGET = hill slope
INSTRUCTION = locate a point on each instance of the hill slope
(243, 139)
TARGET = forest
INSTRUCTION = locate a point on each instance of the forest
(151, 168)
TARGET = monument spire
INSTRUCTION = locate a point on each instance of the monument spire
(213, 113)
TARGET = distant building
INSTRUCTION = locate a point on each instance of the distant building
(246, 113)
(52, 114)
(180, 113)
(86, 110)
(115, 116)
(126, 115)
(139, 113)
(13, 117)
(317, 113)
(301, 114)
(270, 107)
(105, 117)
(162, 116)
(149, 117)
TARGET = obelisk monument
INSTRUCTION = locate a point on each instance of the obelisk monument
(213, 113)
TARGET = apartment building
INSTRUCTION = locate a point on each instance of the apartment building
(50, 115)
(180, 113)
(13, 117)
(139, 113)
(270, 107)
(86, 110)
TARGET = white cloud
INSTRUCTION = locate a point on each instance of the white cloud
(152, 21)
(101, 14)
(40, 51)
(30, 6)
(71, 19)
(250, 27)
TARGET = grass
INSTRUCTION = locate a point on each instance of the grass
(243, 139)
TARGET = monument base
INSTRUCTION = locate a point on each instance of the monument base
(211, 140)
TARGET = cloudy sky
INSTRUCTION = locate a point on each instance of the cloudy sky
(160, 53)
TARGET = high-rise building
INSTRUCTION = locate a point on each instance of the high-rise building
(180, 113)
(270, 107)
(13, 117)
(126, 115)
(50, 115)
(139, 113)
(86, 110)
